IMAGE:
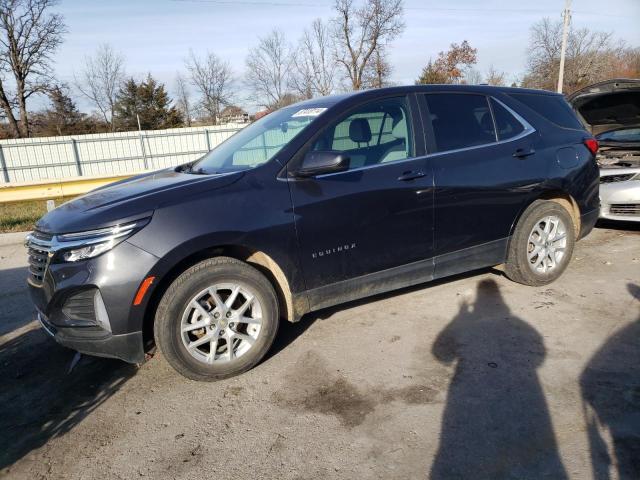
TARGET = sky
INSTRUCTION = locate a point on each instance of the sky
(156, 35)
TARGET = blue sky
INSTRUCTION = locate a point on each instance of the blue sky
(156, 35)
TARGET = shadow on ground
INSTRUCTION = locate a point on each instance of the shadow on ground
(611, 391)
(496, 423)
(618, 225)
(39, 400)
(14, 297)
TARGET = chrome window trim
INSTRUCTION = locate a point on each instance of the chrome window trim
(528, 130)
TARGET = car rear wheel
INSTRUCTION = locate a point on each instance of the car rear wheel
(542, 244)
(218, 319)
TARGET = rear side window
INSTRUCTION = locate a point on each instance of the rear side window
(507, 125)
(552, 107)
(460, 120)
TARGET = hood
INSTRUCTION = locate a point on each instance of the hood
(129, 199)
(608, 105)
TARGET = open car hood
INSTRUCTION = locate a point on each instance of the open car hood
(608, 105)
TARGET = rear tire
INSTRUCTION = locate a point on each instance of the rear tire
(542, 244)
(217, 319)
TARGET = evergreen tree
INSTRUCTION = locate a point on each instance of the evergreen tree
(150, 101)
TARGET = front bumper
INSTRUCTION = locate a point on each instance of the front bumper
(64, 308)
(127, 347)
(620, 201)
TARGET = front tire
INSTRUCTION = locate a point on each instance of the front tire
(217, 319)
(542, 244)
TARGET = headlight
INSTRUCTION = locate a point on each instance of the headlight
(72, 247)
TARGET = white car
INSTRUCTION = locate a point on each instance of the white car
(611, 110)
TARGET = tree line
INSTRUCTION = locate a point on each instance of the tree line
(348, 51)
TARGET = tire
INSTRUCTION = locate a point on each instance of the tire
(519, 267)
(249, 341)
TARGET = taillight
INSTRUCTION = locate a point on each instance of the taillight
(592, 144)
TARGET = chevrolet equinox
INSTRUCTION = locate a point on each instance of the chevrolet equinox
(316, 204)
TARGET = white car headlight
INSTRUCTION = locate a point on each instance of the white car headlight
(72, 247)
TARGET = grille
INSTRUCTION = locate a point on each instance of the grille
(617, 178)
(625, 209)
(38, 248)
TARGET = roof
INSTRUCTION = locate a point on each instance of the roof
(331, 100)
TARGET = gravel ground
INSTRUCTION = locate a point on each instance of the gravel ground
(472, 377)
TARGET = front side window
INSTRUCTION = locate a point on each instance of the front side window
(460, 120)
(378, 132)
(259, 142)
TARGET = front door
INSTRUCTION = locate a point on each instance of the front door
(378, 214)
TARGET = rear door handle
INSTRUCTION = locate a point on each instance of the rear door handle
(410, 175)
(522, 153)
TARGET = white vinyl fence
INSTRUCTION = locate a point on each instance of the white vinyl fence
(105, 154)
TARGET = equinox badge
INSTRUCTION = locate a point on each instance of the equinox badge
(330, 251)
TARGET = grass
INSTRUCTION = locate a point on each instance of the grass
(21, 216)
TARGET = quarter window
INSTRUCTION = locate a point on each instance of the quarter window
(506, 124)
(378, 132)
(460, 120)
(552, 107)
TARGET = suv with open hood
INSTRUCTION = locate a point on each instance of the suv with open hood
(611, 111)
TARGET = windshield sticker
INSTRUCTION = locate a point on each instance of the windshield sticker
(308, 112)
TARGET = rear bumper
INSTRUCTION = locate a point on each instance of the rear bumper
(587, 222)
(127, 347)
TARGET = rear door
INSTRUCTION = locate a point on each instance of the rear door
(376, 215)
(485, 169)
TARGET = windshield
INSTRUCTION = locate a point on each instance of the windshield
(623, 135)
(258, 143)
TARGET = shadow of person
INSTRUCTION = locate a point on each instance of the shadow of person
(610, 386)
(496, 423)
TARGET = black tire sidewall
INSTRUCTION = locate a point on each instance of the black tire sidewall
(182, 291)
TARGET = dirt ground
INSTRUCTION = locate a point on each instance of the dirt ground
(471, 377)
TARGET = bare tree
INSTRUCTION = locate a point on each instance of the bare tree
(591, 56)
(29, 35)
(471, 76)
(269, 66)
(361, 30)
(100, 80)
(495, 77)
(213, 78)
(183, 98)
(378, 70)
(314, 68)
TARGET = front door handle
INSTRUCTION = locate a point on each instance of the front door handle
(522, 153)
(410, 175)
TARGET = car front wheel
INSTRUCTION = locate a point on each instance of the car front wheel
(217, 319)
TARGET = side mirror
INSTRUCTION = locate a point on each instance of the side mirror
(317, 163)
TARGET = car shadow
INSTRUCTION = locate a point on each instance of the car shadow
(618, 225)
(610, 386)
(288, 332)
(13, 298)
(40, 399)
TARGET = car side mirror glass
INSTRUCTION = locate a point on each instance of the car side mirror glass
(319, 162)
